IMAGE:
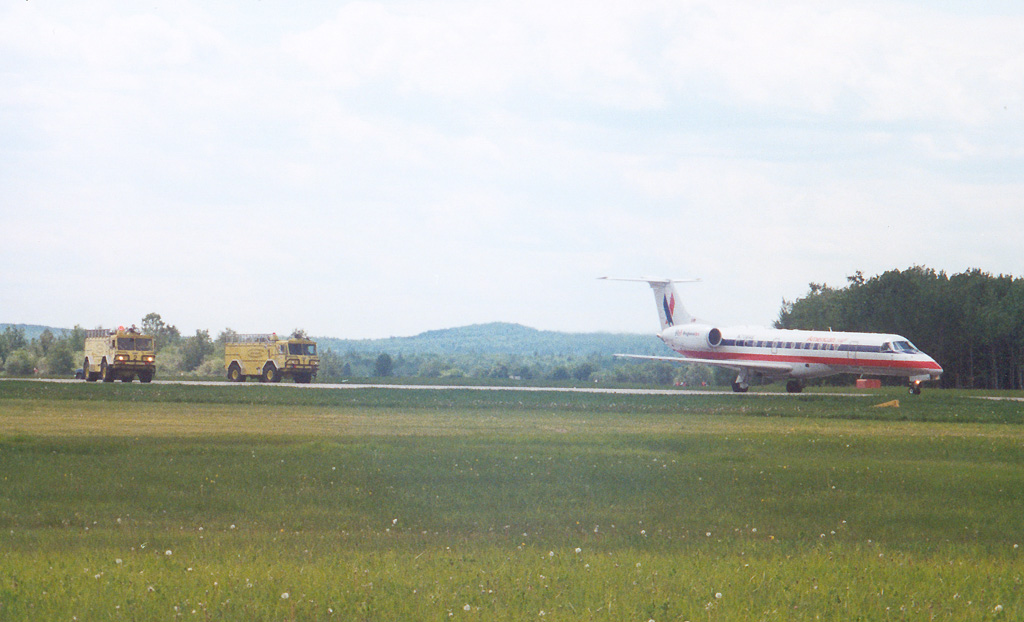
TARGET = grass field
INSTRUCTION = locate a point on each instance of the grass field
(131, 502)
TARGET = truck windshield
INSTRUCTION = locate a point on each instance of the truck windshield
(134, 343)
(307, 349)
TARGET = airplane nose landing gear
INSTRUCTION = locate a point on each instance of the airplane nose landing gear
(915, 387)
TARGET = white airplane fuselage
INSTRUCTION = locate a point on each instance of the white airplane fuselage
(802, 354)
(776, 353)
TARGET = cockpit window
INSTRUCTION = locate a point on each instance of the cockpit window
(902, 347)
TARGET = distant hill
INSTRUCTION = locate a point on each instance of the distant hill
(493, 338)
(32, 331)
(501, 338)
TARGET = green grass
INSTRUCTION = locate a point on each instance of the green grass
(151, 502)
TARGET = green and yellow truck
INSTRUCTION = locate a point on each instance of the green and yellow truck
(269, 358)
(120, 354)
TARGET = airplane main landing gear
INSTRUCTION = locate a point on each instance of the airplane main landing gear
(740, 385)
(794, 386)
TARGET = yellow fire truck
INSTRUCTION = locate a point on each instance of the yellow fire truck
(118, 354)
(269, 358)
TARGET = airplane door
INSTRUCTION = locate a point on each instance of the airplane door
(852, 352)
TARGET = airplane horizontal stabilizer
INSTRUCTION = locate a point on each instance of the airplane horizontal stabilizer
(670, 312)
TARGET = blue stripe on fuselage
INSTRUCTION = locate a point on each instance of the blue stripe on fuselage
(801, 346)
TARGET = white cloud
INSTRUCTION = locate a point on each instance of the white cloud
(455, 51)
(408, 166)
(882, 62)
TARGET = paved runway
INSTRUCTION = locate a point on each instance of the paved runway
(441, 387)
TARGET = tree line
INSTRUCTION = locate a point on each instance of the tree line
(60, 352)
(572, 369)
(49, 353)
(972, 322)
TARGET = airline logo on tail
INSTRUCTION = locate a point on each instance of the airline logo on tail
(669, 304)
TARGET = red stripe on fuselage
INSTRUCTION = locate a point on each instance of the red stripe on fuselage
(831, 361)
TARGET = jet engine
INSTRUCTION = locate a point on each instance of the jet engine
(696, 337)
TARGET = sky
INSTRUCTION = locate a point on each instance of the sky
(376, 169)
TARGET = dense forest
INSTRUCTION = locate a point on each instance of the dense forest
(972, 323)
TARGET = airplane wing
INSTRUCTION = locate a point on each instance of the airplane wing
(764, 367)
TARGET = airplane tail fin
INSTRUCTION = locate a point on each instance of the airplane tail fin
(670, 309)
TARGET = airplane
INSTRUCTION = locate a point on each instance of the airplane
(796, 355)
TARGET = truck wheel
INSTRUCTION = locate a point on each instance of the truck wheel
(235, 373)
(270, 374)
(128, 378)
(302, 378)
(145, 376)
(89, 377)
(106, 372)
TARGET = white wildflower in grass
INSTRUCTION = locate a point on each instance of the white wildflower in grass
(168, 552)
(579, 550)
(285, 596)
(466, 607)
(998, 609)
(718, 596)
